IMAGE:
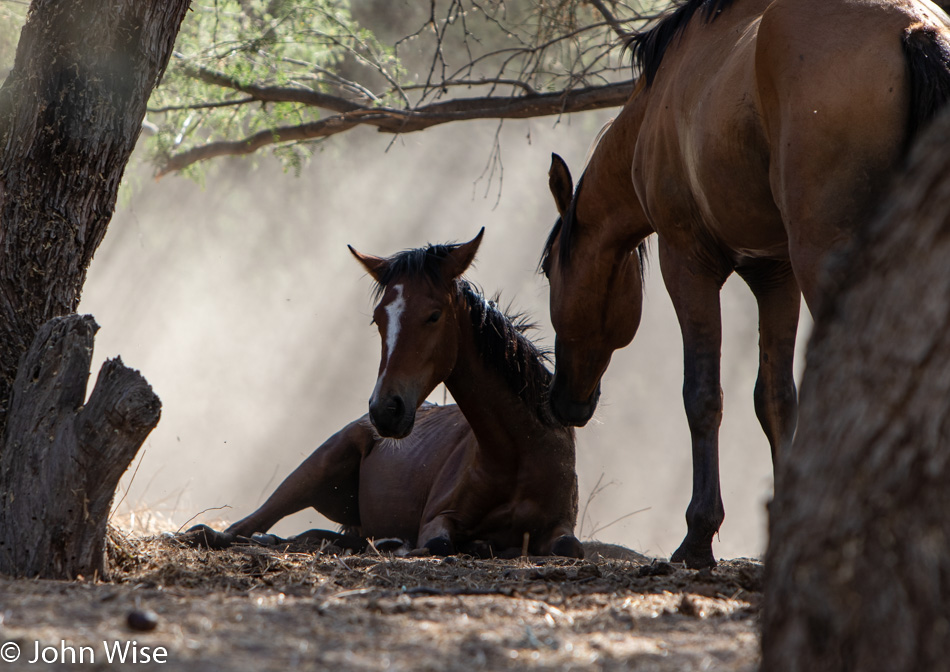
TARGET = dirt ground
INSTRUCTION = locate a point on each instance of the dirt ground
(262, 608)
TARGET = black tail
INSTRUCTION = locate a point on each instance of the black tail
(928, 68)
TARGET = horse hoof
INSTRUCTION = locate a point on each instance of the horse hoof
(694, 559)
(568, 546)
(440, 546)
(202, 536)
(390, 545)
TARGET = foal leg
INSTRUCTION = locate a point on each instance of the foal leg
(328, 481)
(695, 295)
(779, 301)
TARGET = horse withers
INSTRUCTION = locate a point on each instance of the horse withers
(761, 136)
(492, 475)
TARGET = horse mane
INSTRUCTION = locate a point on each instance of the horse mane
(648, 47)
(500, 334)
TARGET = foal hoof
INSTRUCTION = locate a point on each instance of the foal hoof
(568, 546)
(263, 539)
(202, 536)
(440, 546)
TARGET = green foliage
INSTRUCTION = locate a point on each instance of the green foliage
(243, 67)
(228, 47)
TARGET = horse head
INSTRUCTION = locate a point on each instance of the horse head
(596, 294)
(417, 318)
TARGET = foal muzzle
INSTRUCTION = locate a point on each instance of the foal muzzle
(391, 416)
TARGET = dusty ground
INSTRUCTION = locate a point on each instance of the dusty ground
(256, 608)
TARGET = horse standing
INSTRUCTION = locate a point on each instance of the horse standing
(489, 475)
(761, 136)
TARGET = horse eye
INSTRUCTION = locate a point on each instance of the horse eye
(434, 317)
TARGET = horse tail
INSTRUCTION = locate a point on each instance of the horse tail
(928, 67)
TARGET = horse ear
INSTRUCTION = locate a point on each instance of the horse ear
(375, 266)
(561, 184)
(461, 257)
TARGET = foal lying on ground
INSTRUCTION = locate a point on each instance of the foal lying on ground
(487, 476)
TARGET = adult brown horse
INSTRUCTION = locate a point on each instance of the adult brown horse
(761, 136)
(483, 477)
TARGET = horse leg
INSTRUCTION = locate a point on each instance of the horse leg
(695, 295)
(328, 481)
(779, 301)
(436, 535)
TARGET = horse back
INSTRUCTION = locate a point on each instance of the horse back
(840, 103)
(783, 121)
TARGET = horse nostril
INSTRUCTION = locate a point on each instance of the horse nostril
(395, 407)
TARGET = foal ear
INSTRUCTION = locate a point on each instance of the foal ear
(461, 257)
(375, 266)
(561, 184)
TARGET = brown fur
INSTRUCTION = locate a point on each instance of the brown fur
(760, 140)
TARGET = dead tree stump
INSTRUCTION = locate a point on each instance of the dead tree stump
(63, 456)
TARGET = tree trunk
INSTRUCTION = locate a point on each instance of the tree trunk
(70, 455)
(858, 566)
(70, 113)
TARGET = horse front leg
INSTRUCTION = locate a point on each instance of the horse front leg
(695, 295)
(327, 481)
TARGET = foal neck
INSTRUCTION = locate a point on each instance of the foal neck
(503, 400)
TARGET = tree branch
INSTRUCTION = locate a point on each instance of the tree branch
(612, 20)
(272, 94)
(390, 120)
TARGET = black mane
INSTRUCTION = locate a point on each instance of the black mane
(565, 227)
(648, 47)
(499, 335)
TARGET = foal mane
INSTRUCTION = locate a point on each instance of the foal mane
(500, 336)
(648, 47)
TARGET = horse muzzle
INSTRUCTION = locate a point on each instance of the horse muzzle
(568, 411)
(391, 416)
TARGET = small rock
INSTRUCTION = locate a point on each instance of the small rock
(143, 620)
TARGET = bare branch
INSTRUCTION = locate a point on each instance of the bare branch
(273, 94)
(615, 23)
(202, 106)
(390, 120)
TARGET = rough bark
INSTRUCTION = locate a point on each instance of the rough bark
(858, 566)
(69, 455)
(71, 111)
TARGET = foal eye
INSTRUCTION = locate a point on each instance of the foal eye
(434, 317)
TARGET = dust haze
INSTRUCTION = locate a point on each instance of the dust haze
(241, 305)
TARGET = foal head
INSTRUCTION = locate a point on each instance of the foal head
(417, 317)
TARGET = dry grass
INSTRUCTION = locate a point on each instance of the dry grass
(251, 607)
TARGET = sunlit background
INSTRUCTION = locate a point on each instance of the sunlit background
(240, 304)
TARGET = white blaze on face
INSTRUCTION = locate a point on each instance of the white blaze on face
(394, 313)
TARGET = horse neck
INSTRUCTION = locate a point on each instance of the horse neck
(606, 199)
(502, 421)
